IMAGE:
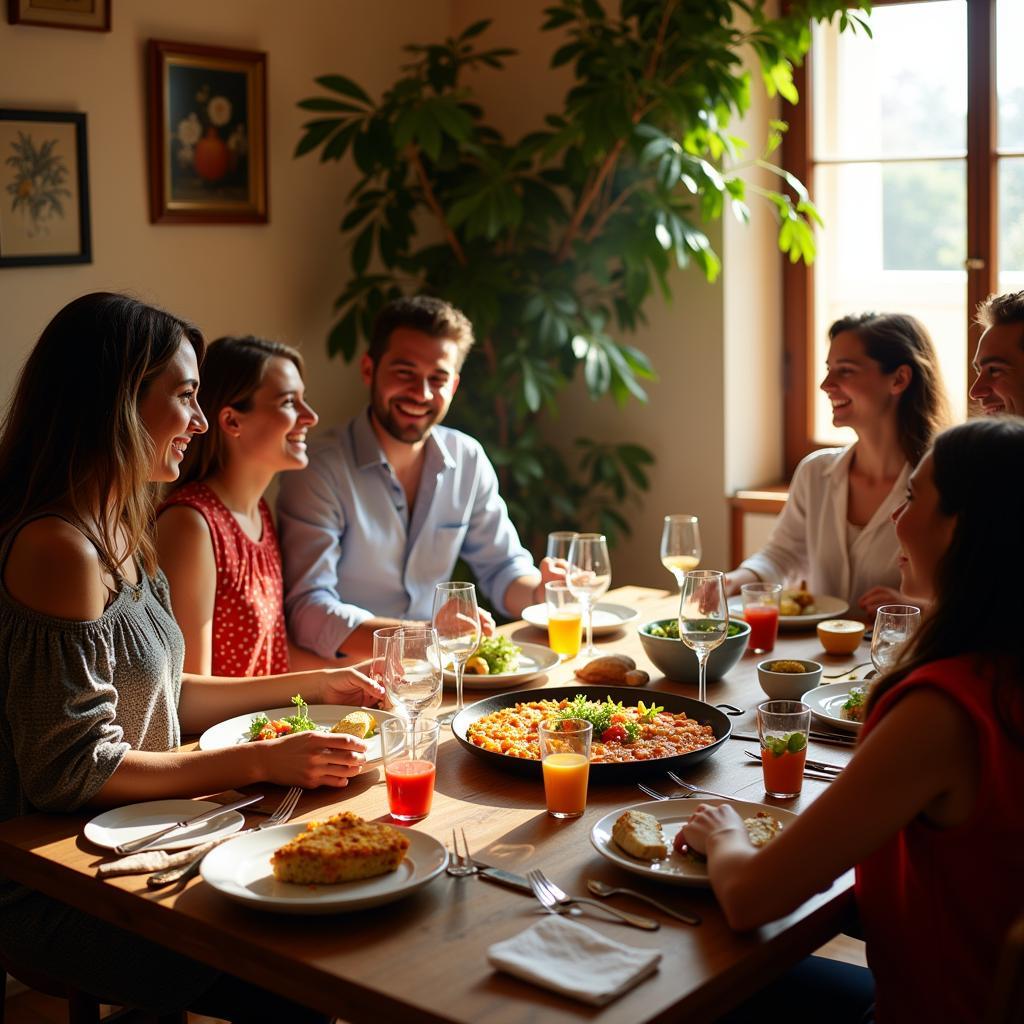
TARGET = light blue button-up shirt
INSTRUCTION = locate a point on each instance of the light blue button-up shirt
(352, 550)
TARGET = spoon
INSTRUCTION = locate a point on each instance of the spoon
(602, 889)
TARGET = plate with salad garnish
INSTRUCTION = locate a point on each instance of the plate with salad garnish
(256, 726)
(838, 704)
(498, 662)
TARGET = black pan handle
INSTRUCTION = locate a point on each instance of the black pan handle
(730, 709)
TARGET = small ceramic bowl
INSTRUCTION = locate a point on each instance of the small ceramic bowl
(840, 636)
(788, 685)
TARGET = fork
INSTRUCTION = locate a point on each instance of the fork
(695, 789)
(284, 810)
(555, 901)
(463, 863)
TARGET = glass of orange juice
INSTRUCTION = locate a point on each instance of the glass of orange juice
(565, 620)
(782, 726)
(565, 761)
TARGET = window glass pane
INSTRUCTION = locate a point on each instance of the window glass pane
(1010, 73)
(894, 241)
(1011, 224)
(902, 93)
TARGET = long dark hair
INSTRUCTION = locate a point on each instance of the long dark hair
(73, 437)
(232, 373)
(893, 340)
(979, 601)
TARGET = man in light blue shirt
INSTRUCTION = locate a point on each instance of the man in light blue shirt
(390, 500)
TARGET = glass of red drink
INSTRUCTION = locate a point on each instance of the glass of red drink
(410, 765)
(782, 726)
(761, 610)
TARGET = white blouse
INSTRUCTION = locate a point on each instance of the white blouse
(809, 540)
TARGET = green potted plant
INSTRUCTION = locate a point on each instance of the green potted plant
(552, 243)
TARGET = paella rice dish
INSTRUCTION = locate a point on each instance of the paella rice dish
(621, 733)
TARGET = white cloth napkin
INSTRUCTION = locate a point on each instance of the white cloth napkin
(574, 960)
(153, 860)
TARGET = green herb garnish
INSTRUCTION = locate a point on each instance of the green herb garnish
(599, 714)
(791, 743)
(669, 629)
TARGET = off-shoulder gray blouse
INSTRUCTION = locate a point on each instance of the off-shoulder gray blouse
(77, 696)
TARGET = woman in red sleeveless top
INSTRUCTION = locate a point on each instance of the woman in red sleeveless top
(930, 809)
(215, 537)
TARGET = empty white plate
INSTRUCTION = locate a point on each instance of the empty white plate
(122, 824)
(608, 618)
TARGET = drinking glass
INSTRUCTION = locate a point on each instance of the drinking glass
(894, 625)
(410, 766)
(381, 638)
(559, 543)
(782, 726)
(457, 622)
(680, 545)
(703, 618)
(565, 762)
(588, 576)
(412, 670)
(565, 620)
(761, 610)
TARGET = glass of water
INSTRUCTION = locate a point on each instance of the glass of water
(412, 671)
(894, 626)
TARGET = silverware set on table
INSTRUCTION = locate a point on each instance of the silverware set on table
(553, 899)
(823, 770)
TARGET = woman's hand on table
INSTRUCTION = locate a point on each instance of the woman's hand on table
(351, 686)
(873, 599)
(710, 820)
(310, 759)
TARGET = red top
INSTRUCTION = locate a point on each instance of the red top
(937, 903)
(249, 637)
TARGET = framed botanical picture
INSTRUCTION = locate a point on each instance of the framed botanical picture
(207, 134)
(44, 189)
(91, 15)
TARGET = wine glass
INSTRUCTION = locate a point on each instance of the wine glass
(894, 625)
(457, 623)
(588, 576)
(559, 543)
(703, 618)
(680, 545)
(412, 670)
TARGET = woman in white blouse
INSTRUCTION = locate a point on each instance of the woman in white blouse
(836, 530)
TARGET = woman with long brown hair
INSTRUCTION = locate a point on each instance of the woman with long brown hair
(929, 810)
(91, 679)
(215, 536)
(884, 382)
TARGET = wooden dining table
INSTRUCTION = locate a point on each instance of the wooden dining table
(424, 958)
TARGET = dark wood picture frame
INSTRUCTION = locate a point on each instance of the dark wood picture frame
(207, 134)
(39, 187)
(23, 12)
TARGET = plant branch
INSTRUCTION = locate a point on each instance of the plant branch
(606, 214)
(435, 206)
(652, 64)
(587, 200)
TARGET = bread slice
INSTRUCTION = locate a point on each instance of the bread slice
(340, 849)
(640, 835)
(762, 828)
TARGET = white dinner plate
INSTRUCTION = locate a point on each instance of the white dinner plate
(825, 702)
(534, 659)
(677, 868)
(122, 824)
(608, 618)
(828, 608)
(236, 730)
(241, 870)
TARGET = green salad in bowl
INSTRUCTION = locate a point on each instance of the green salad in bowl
(678, 662)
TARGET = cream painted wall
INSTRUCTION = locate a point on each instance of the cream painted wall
(277, 279)
(711, 422)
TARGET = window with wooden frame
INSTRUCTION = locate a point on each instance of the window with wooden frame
(912, 145)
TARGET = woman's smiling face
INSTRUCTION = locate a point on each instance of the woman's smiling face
(923, 530)
(170, 412)
(857, 387)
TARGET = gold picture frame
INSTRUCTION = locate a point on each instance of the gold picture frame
(87, 15)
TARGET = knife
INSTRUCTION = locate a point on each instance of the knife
(134, 845)
(502, 877)
(840, 739)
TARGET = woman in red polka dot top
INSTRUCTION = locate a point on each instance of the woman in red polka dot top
(215, 537)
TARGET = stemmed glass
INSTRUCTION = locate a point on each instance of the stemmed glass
(559, 543)
(588, 576)
(412, 670)
(894, 625)
(457, 623)
(703, 618)
(680, 545)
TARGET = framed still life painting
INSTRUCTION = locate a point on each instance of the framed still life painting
(207, 134)
(90, 15)
(44, 189)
